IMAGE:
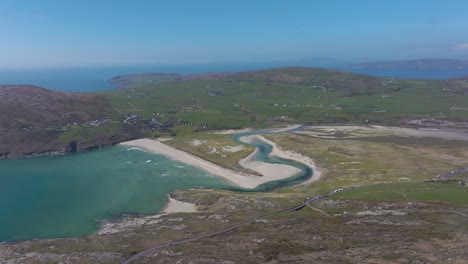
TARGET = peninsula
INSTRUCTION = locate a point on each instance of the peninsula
(36, 121)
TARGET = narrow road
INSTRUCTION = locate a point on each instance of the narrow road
(225, 230)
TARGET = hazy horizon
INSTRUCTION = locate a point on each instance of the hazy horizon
(55, 34)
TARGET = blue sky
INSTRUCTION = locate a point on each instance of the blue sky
(65, 33)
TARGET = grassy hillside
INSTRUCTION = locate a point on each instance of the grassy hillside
(393, 214)
(39, 120)
(305, 95)
(25, 106)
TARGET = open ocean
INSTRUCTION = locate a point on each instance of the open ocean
(97, 79)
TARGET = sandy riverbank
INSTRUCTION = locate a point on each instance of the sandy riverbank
(287, 154)
(269, 172)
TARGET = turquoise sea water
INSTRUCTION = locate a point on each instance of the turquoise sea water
(65, 196)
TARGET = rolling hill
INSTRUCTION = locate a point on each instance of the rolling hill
(32, 119)
(36, 121)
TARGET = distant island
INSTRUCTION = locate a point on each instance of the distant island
(422, 64)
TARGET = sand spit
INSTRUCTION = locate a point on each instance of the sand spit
(236, 131)
(287, 154)
(329, 132)
(232, 131)
(269, 172)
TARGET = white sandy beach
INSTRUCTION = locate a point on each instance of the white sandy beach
(269, 172)
(235, 131)
(176, 206)
(127, 224)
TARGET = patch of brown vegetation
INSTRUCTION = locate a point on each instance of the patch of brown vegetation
(422, 233)
(24, 105)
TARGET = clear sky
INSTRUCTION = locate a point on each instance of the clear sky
(60, 33)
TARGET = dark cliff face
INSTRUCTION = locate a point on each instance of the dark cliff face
(14, 144)
(55, 149)
(73, 146)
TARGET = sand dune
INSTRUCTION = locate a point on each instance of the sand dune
(269, 172)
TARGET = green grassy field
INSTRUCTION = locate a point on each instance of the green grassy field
(258, 99)
(380, 168)
(385, 171)
(355, 162)
(217, 148)
(304, 95)
(307, 95)
(421, 191)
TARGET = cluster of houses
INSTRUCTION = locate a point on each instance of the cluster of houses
(131, 118)
(154, 125)
(98, 122)
(303, 105)
(389, 82)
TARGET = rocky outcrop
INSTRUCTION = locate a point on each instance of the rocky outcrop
(60, 149)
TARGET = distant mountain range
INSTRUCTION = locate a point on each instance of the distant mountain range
(421, 64)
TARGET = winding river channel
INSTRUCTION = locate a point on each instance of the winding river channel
(65, 196)
(263, 154)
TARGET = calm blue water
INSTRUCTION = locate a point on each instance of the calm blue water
(96, 79)
(64, 196)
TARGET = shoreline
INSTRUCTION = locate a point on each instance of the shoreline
(123, 224)
(269, 172)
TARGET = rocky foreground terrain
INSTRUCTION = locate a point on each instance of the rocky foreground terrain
(333, 231)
